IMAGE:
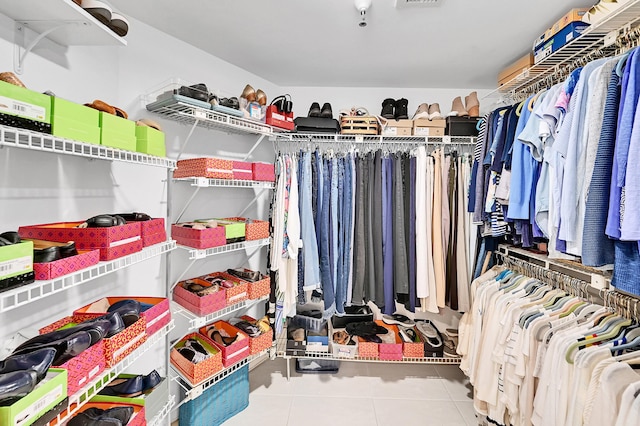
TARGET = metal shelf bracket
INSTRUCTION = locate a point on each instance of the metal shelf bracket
(19, 54)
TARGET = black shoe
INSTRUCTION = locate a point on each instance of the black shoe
(96, 328)
(150, 381)
(128, 309)
(38, 361)
(8, 238)
(116, 324)
(387, 108)
(372, 338)
(196, 91)
(126, 388)
(314, 110)
(326, 111)
(66, 348)
(82, 419)
(122, 414)
(16, 384)
(365, 328)
(402, 110)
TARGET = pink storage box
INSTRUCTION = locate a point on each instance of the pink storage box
(236, 294)
(199, 238)
(67, 265)
(261, 342)
(390, 351)
(155, 317)
(236, 351)
(84, 367)
(200, 306)
(214, 168)
(242, 170)
(264, 172)
(256, 230)
(113, 242)
(153, 232)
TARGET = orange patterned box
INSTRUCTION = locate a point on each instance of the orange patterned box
(259, 288)
(236, 294)
(236, 351)
(261, 342)
(214, 168)
(113, 242)
(67, 265)
(415, 349)
(83, 368)
(367, 349)
(196, 373)
(255, 229)
(199, 305)
(199, 238)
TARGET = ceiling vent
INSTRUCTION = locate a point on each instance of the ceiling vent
(402, 4)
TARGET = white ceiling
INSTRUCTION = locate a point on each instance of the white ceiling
(460, 44)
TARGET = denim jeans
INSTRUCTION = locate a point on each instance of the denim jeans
(333, 227)
(319, 184)
(340, 283)
(325, 267)
(311, 261)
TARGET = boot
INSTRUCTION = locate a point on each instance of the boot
(314, 110)
(402, 109)
(387, 108)
(421, 112)
(434, 112)
(326, 112)
(472, 104)
(457, 109)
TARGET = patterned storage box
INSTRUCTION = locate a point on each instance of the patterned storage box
(67, 265)
(259, 288)
(153, 232)
(197, 373)
(260, 343)
(200, 306)
(254, 230)
(84, 367)
(367, 349)
(156, 317)
(214, 168)
(199, 238)
(138, 418)
(242, 170)
(236, 294)
(236, 351)
(113, 242)
(390, 351)
(413, 350)
(264, 172)
(219, 403)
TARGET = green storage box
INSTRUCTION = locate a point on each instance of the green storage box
(25, 103)
(118, 140)
(76, 130)
(232, 230)
(150, 141)
(16, 259)
(46, 395)
(73, 111)
(117, 132)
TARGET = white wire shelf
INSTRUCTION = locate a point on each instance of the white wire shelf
(189, 114)
(37, 141)
(368, 139)
(202, 182)
(194, 391)
(77, 400)
(202, 253)
(594, 37)
(166, 409)
(282, 348)
(21, 296)
(195, 322)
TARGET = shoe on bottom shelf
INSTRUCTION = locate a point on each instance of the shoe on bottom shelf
(398, 319)
(449, 349)
(427, 329)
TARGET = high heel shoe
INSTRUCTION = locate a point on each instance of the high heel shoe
(261, 97)
(215, 335)
(249, 93)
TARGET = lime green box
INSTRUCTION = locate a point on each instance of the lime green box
(75, 121)
(232, 229)
(46, 395)
(21, 102)
(73, 111)
(117, 132)
(150, 141)
(16, 259)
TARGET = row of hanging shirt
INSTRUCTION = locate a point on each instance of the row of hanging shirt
(562, 165)
(539, 356)
(373, 226)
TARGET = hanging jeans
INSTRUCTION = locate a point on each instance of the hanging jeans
(307, 227)
(323, 233)
(339, 225)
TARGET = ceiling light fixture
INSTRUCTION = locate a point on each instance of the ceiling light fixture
(362, 6)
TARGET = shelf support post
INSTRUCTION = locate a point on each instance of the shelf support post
(19, 57)
(187, 203)
(186, 140)
(251, 203)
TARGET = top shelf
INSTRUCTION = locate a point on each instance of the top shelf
(368, 139)
(77, 27)
(595, 37)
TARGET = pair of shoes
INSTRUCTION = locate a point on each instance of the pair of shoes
(147, 122)
(200, 287)
(193, 351)
(449, 349)
(219, 281)
(132, 387)
(103, 13)
(230, 103)
(20, 373)
(354, 112)
(471, 107)
(197, 91)
(395, 109)
(429, 112)
(251, 329)
(408, 335)
(365, 328)
(431, 337)
(357, 310)
(216, 335)
(109, 109)
(398, 319)
(325, 112)
(245, 274)
(50, 251)
(252, 95)
(135, 216)
(93, 416)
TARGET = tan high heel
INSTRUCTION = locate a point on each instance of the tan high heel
(472, 104)
(249, 93)
(457, 109)
(261, 97)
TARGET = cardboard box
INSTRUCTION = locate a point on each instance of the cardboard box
(573, 15)
(150, 141)
(254, 230)
(397, 128)
(423, 122)
(45, 396)
(233, 231)
(428, 131)
(567, 34)
(67, 265)
(16, 259)
(259, 343)
(390, 351)
(152, 231)
(24, 103)
(510, 71)
(264, 172)
(75, 121)
(236, 294)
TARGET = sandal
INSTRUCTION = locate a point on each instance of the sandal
(109, 109)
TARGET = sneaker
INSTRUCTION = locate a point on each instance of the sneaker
(434, 112)
(401, 110)
(398, 319)
(408, 335)
(427, 329)
(421, 112)
(449, 349)
(387, 108)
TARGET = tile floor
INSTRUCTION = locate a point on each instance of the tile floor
(360, 394)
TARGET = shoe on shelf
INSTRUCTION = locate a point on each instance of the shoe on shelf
(17, 384)
(426, 328)
(38, 361)
(401, 109)
(150, 381)
(118, 24)
(125, 388)
(472, 104)
(11, 78)
(398, 319)
(404, 335)
(66, 347)
(98, 9)
(94, 416)
(434, 112)
(457, 109)
(449, 348)
(314, 110)
(388, 106)
(249, 93)
(421, 112)
(261, 97)
(326, 111)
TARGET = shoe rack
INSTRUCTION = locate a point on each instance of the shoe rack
(610, 36)
(22, 297)
(194, 117)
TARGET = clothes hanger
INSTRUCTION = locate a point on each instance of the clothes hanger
(611, 334)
